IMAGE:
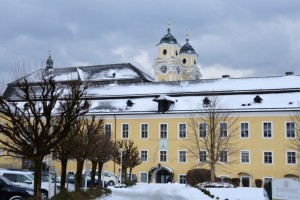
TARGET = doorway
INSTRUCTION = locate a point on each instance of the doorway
(245, 181)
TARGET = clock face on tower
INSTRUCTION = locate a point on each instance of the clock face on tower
(163, 69)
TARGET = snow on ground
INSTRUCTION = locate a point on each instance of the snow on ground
(144, 191)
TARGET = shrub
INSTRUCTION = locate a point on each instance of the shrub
(198, 175)
(258, 183)
(82, 195)
(129, 183)
(206, 192)
(235, 182)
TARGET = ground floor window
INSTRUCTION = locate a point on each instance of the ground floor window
(182, 178)
(268, 179)
(144, 176)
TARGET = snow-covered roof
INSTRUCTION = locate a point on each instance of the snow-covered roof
(109, 93)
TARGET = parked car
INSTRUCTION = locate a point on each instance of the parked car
(133, 178)
(26, 179)
(11, 191)
(108, 177)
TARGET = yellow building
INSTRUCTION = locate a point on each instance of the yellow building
(154, 113)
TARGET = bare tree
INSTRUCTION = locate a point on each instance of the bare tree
(87, 138)
(27, 120)
(212, 135)
(130, 156)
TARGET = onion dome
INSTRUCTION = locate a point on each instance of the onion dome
(187, 48)
(168, 38)
(49, 62)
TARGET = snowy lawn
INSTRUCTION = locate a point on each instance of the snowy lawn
(144, 191)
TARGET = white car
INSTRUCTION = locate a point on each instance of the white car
(109, 177)
(26, 179)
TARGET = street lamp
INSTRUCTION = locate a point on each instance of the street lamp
(121, 163)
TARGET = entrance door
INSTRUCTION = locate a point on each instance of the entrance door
(245, 181)
(162, 176)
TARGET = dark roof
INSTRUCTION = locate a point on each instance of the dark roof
(168, 38)
(187, 48)
(92, 75)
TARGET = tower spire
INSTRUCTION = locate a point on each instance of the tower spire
(169, 25)
(187, 36)
(49, 62)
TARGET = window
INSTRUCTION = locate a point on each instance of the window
(107, 130)
(202, 156)
(291, 157)
(182, 156)
(8, 152)
(182, 178)
(54, 155)
(163, 156)
(182, 130)
(165, 51)
(202, 130)
(125, 130)
(244, 130)
(223, 156)
(184, 61)
(245, 156)
(163, 130)
(144, 131)
(290, 129)
(144, 177)
(223, 130)
(0, 152)
(267, 129)
(144, 155)
(268, 157)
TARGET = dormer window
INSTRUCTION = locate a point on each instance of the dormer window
(129, 103)
(258, 99)
(206, 101)
(163, 103)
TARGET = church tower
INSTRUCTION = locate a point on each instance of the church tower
(189, 57)
(173, 62)
(168, 66)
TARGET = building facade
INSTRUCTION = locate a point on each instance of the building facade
(154, 114)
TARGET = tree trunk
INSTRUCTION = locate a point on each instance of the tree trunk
(93, 173)
(212, 172)
(78, 176)
(37, 177)
(100, 167)
(64, 164)
(130, 173)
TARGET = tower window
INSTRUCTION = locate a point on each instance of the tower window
(184, 61)
(194, 62)
(176, 52)
(165, 51)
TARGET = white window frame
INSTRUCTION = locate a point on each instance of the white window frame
(161, 154)
(179, 131)
(142, 131)
(108, 124)
(141, 177)
(122, 130)
(220, 130)
(264, 157)
(286, 154)
(179, 178)
(241, 156)
(199, 160)
(248, 137)
(179, 151)
(263, 130)
(199, 131)
(145, 150)
(160, 133)
(295, 128)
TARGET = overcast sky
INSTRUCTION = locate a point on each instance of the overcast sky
(236, 37)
